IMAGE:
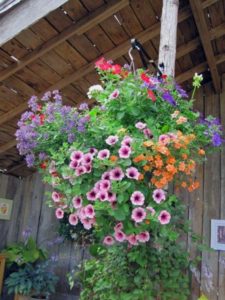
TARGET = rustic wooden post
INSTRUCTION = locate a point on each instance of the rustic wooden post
(168, 36)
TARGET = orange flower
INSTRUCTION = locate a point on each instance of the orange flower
(158, 163)
(113, 158)
(157, 172)
(181, 120)
(171, 160)
(184, 156)
(141, 177)
(181, 166)
(170, 168)
(149, 158)
(139, 158)
(146, 168)
(147, 222)
(193, 186)
(201, 152)
(148, 144)
(183, 184)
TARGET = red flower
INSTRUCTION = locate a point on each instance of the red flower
(116, 69)
(42, 118)
(43, 165)
(102, 64)
(145, 78)
(55, 174)
(39, 107)
(164, 76)
(151, 95)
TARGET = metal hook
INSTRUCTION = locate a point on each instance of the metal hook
(132, 65)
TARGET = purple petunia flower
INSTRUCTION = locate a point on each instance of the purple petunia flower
(116, 174)
(132, 173)
(181, 91)
(216, 139)
(103, 154)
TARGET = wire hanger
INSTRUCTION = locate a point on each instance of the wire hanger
(145, 58)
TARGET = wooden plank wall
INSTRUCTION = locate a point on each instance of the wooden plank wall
(207, 203)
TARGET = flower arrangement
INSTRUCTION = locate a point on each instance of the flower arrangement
(110, 166)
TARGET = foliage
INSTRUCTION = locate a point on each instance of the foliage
(32, 279)
(23, 253)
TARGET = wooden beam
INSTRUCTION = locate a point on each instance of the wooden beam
(7, 146)
(188, 47)
(208, 3)
(24, 15)
(79, 28)
(217, 32)
(206, 41)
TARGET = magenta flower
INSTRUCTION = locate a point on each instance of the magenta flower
(114, 95)
(81, 213)
(103, 154)
(132, 239)
(159, 195)
(97, 186)
(147, 133)
(127, 141)
(73, 219)
(106, 176)
(80, 171)
(74, 164)
(132, 173)
(87, 223)
(124, 152)
(113, 204)
(111, 196)
(164, 139)
(77, 202)
(143, 237)
(89, 211)
(56, 197)
(116, 174)
(151, 210)
(118, 227)
(105, 185)
(76, 155)
(92, 195)
(164, 217)
(138, 214)
(59, 213)
(93, 151)
(112, 140)
(87, 159)
(88, 168)
(102, 196)
(108, 240)
(137, 198)
(120, 236)
(140, 125)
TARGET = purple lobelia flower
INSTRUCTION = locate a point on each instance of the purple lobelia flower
(169, 98)
(30, 159)
(181, 92)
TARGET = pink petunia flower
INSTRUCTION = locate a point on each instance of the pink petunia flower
(120, 236)
(118, 227)
(124, 152)
(114, 95)
(103, 154)
(112, 140)
(102, 196)
(111, 196)
(127, 140)
(132, 173)
(132, 239)
(140, 125)
(80, 171)
(164, 139)
(106, 176)
(77, 202)
(59, 213)
(138, 214)
(88, 168)
(87, 159)
(108, 240)
(73, 219)
(87, 223)
(92, 195)
(93, 151)
(89, 211)
(164, 217)
(137, 198)
(116, 174)
(143, 237)
(105, 185)
(147, 133)
(81, 213)
(113, 204)
(76, 155)
(56, 197)
(74, 164)
(159, 195)
(151, 210)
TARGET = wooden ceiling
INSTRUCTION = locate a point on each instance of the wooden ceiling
(59, 51)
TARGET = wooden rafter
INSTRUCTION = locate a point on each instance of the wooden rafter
(206, 41)
(7, 146)
(24, 15)
(79, 28)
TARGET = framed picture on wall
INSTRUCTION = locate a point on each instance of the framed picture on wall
(5, 209)
(218, 234)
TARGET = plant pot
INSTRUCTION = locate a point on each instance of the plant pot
(21, 297)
